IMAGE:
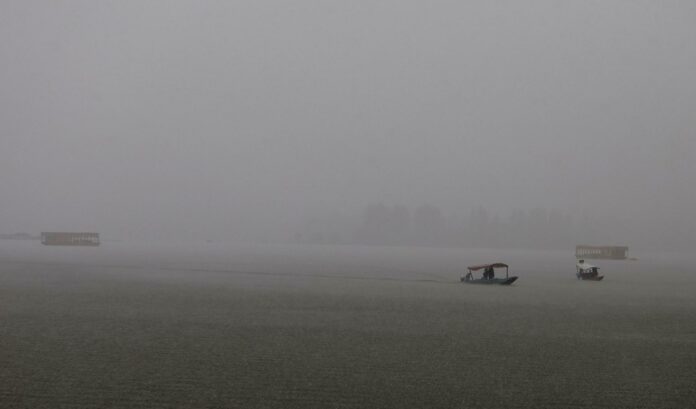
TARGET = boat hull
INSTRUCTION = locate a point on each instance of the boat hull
(595, 278)
(500, 281)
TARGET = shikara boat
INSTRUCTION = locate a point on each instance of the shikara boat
(488, 275)
(586, 271)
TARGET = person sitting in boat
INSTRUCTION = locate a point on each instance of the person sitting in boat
(488, 273)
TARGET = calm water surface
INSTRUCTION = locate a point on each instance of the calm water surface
(223, 325)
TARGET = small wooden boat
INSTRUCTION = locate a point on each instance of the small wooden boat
(587, 272)
(488, 275)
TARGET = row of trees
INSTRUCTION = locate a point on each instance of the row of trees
(427, 225)
(540, 228)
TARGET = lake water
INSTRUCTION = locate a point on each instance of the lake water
(148, 325)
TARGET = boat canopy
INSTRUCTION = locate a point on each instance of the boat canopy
(585, 266)
(482, 266)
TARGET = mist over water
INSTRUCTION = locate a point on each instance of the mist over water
(250, 121)
(287, 194)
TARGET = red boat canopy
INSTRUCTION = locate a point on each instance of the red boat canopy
(494, 265)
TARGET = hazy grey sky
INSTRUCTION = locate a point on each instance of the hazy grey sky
(230, 118)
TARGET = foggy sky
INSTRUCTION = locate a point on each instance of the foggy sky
(239, 119)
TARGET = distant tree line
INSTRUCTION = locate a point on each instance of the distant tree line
(426, 225)
(539, 228)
